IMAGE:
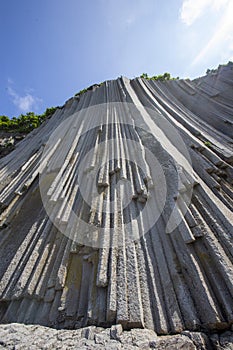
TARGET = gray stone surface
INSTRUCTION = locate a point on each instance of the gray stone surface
(27, 337)
(166, 282)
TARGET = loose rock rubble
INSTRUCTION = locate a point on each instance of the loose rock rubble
(8, 142)
(32, 337)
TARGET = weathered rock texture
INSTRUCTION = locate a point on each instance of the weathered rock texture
(16, 337)
(166, 282)
(8, 141)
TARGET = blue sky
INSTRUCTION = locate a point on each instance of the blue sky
(51, 49)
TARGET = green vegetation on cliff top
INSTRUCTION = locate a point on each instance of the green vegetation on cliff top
(160, 77)
(25, 122)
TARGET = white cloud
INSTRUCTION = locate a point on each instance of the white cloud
(191, 10)
(25, 103)
(219, 47)
(221, 43)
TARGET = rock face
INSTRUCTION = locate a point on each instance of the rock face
(17, 336)
(135, 232)
(8, 141)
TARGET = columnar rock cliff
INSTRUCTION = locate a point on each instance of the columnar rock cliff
(163, 260)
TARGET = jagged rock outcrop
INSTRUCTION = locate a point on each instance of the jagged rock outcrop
(8, 142)
(73, 255)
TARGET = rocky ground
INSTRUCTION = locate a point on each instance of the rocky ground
(18, 336)
(8, 141)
